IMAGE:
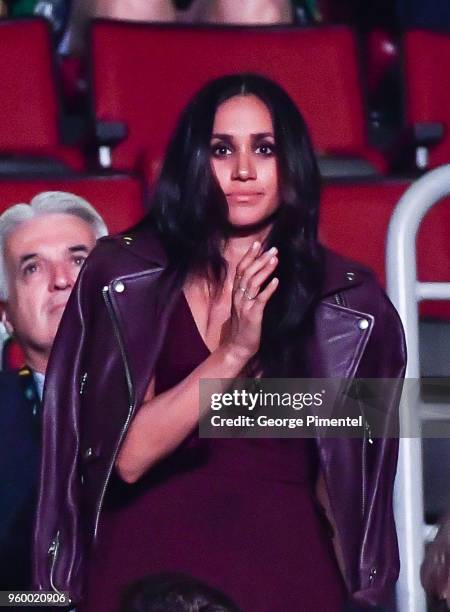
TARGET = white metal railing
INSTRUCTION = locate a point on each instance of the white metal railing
(405, 292)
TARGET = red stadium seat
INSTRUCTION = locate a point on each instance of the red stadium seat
(354, 222)
(144, 74)
(119, 199)
(427, 82)
(30, 113)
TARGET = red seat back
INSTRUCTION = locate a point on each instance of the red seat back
(144, 74)
(117, 198)
(427, 80)
(354, 222)
(29, 97)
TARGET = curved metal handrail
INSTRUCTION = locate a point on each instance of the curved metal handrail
(405, 292)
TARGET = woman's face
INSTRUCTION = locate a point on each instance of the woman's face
(243, 159)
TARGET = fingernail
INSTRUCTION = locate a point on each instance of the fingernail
(274, 281)
(256, 245)
(272, 260)
(273, 250)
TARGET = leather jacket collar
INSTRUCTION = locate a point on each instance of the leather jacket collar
(339, 274)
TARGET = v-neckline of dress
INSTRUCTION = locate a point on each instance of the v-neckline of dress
(191, 315)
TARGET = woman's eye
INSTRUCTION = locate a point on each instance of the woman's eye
(221, 150)
(265, 148)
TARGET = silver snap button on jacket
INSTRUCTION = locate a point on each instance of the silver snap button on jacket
(119, 287)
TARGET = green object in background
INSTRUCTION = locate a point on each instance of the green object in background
(19, 8)
(313, 8)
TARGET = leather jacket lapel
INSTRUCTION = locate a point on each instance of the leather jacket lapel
(341, 335)
(151, 294)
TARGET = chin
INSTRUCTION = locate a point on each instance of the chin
(240, 223)
(55, 316)
(49, 333)
(246, 224)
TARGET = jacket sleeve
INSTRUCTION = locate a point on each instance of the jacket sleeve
(385, 360)
(55, 528)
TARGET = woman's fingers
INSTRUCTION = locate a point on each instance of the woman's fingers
(246, 261)
(246, 320)
(254, 283)
(251, 272)
(248, 258)
(255, 266)
(262, 298)
(256, 305)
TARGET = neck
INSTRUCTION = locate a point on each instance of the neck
(37, 361)
(239, 242)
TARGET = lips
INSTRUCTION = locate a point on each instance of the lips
(54, 308)
(244, 196)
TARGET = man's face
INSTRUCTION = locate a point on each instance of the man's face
(43, 257)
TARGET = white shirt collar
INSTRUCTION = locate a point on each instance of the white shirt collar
(39, 379)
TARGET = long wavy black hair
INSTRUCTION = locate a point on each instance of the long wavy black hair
(190, 213)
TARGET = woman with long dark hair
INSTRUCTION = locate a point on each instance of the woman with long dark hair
(225, 278)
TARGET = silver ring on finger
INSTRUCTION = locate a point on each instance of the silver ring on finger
(248, 296)
(243, 289)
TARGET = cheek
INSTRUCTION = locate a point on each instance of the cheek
(269, 176)
(221, 172)
(274, 180)
(74, 272)
(28, 301)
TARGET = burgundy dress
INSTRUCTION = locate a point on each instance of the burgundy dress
(237, 513)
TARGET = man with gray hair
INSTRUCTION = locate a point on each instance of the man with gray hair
(42, 248)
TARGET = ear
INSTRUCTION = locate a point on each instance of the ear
(5, 319)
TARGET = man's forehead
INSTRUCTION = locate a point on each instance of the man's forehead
(49, 234)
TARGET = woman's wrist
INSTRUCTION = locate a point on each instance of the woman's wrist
(235, 357)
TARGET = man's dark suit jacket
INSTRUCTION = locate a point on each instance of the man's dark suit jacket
(19, 463)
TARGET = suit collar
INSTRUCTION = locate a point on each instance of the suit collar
(30, 389)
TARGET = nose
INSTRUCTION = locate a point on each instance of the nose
(61, 277)
(244, 168)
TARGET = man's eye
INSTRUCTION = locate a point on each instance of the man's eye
(221, 150)
(265, 148)
(79, 260)
(30, 269)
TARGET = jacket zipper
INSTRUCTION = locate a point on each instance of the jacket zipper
(112, 314)
(53, 552)
(363, 468)
(367, 436)
(339, 299)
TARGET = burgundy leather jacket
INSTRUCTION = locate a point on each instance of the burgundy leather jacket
(103, 358)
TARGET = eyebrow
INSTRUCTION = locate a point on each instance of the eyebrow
(78, 247)
(257, 135)
(73, 249)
